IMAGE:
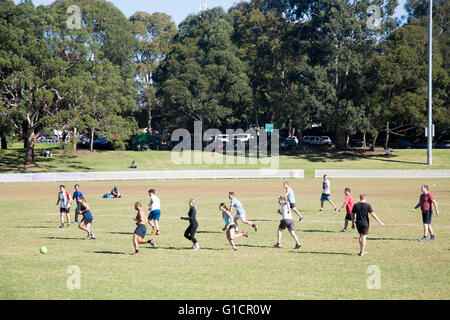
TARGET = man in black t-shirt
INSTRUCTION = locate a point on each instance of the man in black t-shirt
(360, 213)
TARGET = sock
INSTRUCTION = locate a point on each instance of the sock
(136, 251)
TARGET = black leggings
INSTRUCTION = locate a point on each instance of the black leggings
(190, 232)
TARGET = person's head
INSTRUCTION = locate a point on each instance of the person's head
(285, 184)
(424, 188)
(82, 200)
(347, 191)
(191, 203)
(62, 188)
(222, 207)
(77, 187)
(138, 206)
(363, 196)
(116, 188)
(231, 195)
(281, 199)
(325, 177)
(151, 191)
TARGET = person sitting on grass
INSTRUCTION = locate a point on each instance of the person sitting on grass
(133, 165)
(115, 192)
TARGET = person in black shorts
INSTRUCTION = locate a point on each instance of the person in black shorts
(360, 213)
(141, 230)
(193, 224)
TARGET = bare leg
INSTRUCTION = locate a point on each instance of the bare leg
(430, 230)
(297, 212)
(334, 206)
(279, 236)
(321, 204)
(61, 218)
(292, 232)
(67, 218)
(362, 242)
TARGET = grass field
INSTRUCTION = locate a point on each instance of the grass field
(162, 160)
(325, 267)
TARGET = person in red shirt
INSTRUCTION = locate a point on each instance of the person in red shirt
(426, 202)
(348, 204)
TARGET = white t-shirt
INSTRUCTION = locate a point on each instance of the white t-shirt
(326, 186)
(285, 210)
(156, 205)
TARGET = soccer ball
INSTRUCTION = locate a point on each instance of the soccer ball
(43, 250)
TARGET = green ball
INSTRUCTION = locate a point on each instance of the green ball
(43, 250)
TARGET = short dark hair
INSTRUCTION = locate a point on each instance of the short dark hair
(152, 191)
(347, 189)
(77, 185)
(231, 192)
(62, 186)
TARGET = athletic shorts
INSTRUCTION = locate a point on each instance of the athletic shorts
(325, 197)
(87, 220)
(348, 216)
(292, 205)
(141, 230)
(426, 216)
(154, 215)
(233, 226)
(78, 209)
(362, 228)
(64, 210)
(287, 223)
(240, 215)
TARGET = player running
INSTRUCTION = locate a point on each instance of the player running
(86, 223)
(360, 212)
(326, 193)
(155, 211)
(289, 195)
(240, 212)
(78, 193)
(426, 202)
(193, 225)
(287, 221)
(64, 201)
(141, 230)
(230, 226)
(348, 204)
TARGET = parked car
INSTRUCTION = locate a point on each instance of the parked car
(402, 144)
(358, 143)
(288, 144)
(422, 145)
(326, 140)
(155, 142)
(101, 143)
(313, 140)
(443, 145)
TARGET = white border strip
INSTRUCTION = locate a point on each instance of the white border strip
(411, 174)
(150, 175)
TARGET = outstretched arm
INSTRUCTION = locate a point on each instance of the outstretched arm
(436, 207)
(376, 218)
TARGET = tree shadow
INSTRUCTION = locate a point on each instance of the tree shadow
(184, 248)
(323, 252)
(252, 246)
(326, 231)
(36, 227)
(62, 238)
(108, 252)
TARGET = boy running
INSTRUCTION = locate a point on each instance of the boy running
(361, 212)
(141, 230)
(326, 193)
(64, 201)
(78, 193)
(230, 226)
(289, 195)
(286, 222)
(155, 211)
(348, 204)
(193, 225)
(86, 222)
(240, 212)
(426, 202)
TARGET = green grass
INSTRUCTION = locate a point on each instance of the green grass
(162, 160)
(326, 267)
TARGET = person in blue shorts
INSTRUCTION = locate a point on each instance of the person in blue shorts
(141, 229)
(155, 212)
(326, 193)
(86, 223)
(78, 193)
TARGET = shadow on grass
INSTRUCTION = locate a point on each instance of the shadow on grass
(324, 252)
(109, 252)
(252, 246)
(184, 248)
(390, 239)
(127, 233)
(36, 227)
(63, 238)
(327, 231)
(208, 232)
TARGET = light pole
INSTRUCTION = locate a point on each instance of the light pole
(430, 78)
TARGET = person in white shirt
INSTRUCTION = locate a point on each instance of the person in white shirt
(326, 193)
(286, 222)
(289, 194)
(155, 212)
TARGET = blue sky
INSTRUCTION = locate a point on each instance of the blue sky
(177, 9)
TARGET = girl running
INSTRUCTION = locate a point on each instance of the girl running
(230, 226)
(86, 222)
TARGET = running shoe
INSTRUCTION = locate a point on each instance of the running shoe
(157, 233)
(256, 228)
(343, 230)
(234, 249)
(432, 238)
(297, 246)
(62, 226)
(153, 230)
(301, 219)
(277, 245)
(245, 234)
(152, 242)
(93, 237)
(423, 239)
(74, 222)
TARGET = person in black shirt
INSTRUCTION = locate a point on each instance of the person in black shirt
(193, 224)
(360, 213)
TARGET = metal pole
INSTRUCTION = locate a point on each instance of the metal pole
(430, 77)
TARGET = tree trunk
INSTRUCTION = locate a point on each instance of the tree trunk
(74, 139)
(91, 142)
(364, 140)
(149, 120)
(3, 138)
(372, 148)
(29, 146)
(386, 143)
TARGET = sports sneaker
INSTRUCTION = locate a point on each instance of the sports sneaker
(301, 219)
(134, 253)
(157, 233)
(297, 246)
(93, 237)
(423, 239)
(89, 234)
(256, 228)
(245, 234)
(321, 209)
(343, 230)
(335, 209)
(432, 238)
(153, 230)
(152, 242)
(74, 222)
(361, 254)
(277, 245)
(234, 249)
(62, 226)
(197, 248)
